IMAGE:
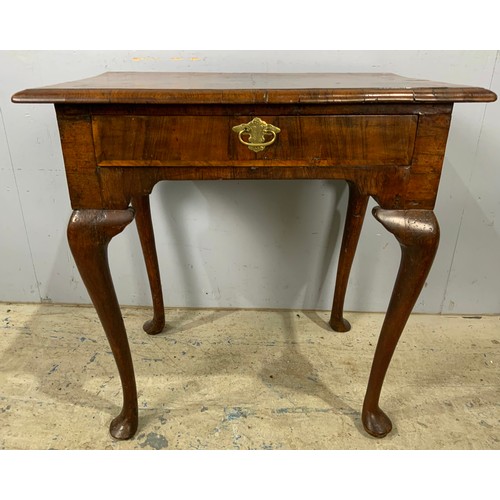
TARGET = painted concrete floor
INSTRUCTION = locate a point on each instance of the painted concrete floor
(245, 379)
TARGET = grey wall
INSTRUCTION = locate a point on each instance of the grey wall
(250, 243)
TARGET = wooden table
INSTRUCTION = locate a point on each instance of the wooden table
(385, 135)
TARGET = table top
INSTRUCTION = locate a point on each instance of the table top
(251, 88)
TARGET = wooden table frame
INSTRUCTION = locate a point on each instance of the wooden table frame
(385, 135)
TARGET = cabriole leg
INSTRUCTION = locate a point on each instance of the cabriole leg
(147, 237)
(354, 221)
(89, 233)
(417, 232)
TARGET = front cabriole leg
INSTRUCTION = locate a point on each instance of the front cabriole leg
(417, 232)
(89, 233)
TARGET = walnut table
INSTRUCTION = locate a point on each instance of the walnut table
(385, 135)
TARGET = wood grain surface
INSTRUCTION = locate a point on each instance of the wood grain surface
(238, 88)
(373, 140)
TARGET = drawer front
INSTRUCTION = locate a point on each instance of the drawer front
(330, 140)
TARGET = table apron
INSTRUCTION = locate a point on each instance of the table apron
(396, 158)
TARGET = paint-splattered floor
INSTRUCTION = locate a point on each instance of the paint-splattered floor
(233, 379)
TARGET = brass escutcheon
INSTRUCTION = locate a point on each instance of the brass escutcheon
(257, 129)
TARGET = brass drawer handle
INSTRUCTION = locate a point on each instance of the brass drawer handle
(257, 129)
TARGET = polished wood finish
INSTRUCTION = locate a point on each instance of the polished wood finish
(355, 216)
(417, 232)
(251, 88)
(137, 140)
(89, 233)
(147, 238)
(385, 135)
(95, 185)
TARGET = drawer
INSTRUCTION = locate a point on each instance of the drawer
(327, 140)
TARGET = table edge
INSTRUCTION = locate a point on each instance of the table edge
(253, 96)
